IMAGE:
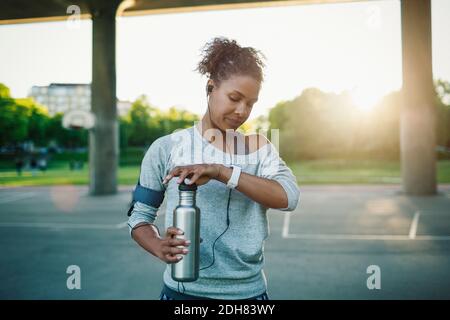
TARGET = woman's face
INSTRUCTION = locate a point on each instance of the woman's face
(231, 102)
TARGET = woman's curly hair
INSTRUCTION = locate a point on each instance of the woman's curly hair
(223, 58)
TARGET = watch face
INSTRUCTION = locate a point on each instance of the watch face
(233, 182)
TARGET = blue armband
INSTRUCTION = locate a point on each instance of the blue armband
(147, 196)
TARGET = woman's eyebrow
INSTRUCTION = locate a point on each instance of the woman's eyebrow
(255, 99)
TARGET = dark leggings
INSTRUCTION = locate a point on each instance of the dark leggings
(169, 294)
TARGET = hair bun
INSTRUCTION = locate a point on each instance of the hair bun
(224, 57)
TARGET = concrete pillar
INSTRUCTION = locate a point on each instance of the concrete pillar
(103, 139)
(418, 112)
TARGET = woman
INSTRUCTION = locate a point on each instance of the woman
(233, 223)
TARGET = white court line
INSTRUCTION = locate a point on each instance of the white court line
(433, 238)
(385, 237)
(61, 225)
(347, 237)
(287, 218)
(122, 225)
(18, 196)
(414, 223)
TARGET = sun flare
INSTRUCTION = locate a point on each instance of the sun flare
(364, 98)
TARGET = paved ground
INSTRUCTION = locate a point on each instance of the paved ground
(321, 251)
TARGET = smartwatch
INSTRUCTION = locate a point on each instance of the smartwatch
(233, 182)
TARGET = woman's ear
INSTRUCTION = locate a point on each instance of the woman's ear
(209, 87)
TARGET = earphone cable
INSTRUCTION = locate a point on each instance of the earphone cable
(228, 202)
(228, 225)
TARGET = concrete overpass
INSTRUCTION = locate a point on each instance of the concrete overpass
(418, 113)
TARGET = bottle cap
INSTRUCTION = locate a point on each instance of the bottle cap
(187, 187)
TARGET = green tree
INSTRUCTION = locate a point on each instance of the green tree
(327, 125)
(13, 119)
(124, 131)
(68, 138)
(314, 124)
(38, 120)
(145, 123)
(443, 113)
(140, 132)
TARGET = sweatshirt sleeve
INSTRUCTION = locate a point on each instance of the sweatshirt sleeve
(272, 166)
(153, 170)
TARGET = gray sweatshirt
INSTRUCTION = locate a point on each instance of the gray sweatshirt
(237, 272)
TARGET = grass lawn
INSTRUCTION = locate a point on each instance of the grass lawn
(357, 171)
(61, 175)
(307, 172)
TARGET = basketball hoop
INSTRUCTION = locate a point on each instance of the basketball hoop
(78, 119)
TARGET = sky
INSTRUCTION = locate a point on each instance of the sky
(335, 47)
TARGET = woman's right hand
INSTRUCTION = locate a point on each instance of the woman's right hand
(171, 249)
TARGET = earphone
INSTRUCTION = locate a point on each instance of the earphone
(209, 89)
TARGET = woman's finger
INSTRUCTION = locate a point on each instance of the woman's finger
(172, 258)
(194, 178)
(183, 175)
(179, 242)
(175, 172)
(172, 231)
(176, 250)
(182, 172)
(178, 170)
(171, 174)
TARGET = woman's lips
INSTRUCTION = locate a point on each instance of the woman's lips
(234, 122)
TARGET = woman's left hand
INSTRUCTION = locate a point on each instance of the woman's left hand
(196, 173)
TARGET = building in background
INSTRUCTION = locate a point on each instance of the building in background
(62, 97)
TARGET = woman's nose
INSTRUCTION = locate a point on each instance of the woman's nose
(240, 109)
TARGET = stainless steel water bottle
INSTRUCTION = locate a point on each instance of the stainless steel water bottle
(186, 216)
